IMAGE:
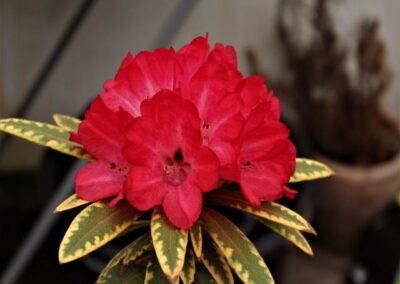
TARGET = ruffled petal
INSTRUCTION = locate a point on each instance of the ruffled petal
(118, 95)
(145, 188)
(157, 72)
(262, 181)
(192, 56)
(207, 88)
(204, 166)
(166, 123)
(98, 180)
(253, 92)
(122, 73)
(102, 133)
(222, 128)
(140, 78)
(224, 55)
(182, 205)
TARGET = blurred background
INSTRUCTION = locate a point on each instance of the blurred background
(335, 65)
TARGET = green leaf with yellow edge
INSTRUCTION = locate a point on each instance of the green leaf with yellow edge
(71, 202)
(216, 264)
(107, 271)
(202, 275)
(124, 274)
(189, 268)
(292, 235)
(196, 237)
(239, 251)
(169, 243)
(95, 226)
(307, 169)
(269, 210)
(44, 134)
(155, 275)
(135, 226)
(67, 122)
(118, 259)
(137, 248)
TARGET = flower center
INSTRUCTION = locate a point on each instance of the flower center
(176, 169)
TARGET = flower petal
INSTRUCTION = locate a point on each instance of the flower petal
(145, 188)
(102, 133)
(253, 91)
(140, 78)
(263, 181)
(118, 95)
(208, 87)
(168, 121)
(224, 126)
(225, 55)
(182, 205)
(204, 166)
(192, 56)
(98, 180)
(122, 73)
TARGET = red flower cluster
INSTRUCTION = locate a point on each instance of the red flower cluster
(171, 124)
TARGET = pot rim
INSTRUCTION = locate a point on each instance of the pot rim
(358, 173)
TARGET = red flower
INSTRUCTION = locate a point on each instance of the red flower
(102, 134)
(171, 123)
(266, 159)
(170, 165)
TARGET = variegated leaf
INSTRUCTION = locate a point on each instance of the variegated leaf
(287, 217)
(71, 202)
(137, 248)
(189, 268)
(155, 275)
(269, 210)
(292, 235)
(202, 275)
(307, 169)
(239, 251)
(135, 226)
(123, 274)
(106, 273)
(197, 238)
(169, 243)
(216, 264)
(44, 134)
(67, 122)
(95, 226)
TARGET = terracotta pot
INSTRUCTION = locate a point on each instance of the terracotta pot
(347, 201)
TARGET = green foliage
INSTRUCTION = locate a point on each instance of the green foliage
(66, 122)
(189, 268)
(196, 236)
(44, 134)
(269, 210)
(155, 275)
(169, 244)
(307, 169)
(71, 202)
(124, 274)
(216, 264)
(95, 226)
(239, 251)
(202, 275)
(137, 248)
(292, 235)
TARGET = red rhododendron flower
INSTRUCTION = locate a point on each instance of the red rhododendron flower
(170, 164)
(102, 134)
(170, 124)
